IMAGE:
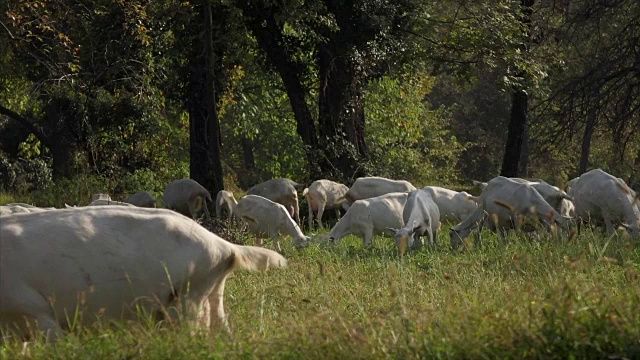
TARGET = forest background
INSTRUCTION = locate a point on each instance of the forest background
(122, 96)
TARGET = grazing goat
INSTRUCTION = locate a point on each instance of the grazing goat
(113, 263)
(283, 191)
(187, 197)
(368, 187)
(507, 204)
(453, 206)
(224, 202)
(141, 199)
(325, 195)
(421, 217)
(371, 216)
(601, 197)
(553, 195)
(266, 218)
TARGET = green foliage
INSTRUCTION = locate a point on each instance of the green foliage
(107, 81)
(588, 45)
(256, 117)
(479, 114)
(143, 180)
(407, 138)
(6, 198)
(75, 191)
(24, 175)
(27, 187)
(458, 37)
(96, 78)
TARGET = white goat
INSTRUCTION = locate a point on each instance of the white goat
(570, 184)
(112, 263)
(368, 187)
(553, 195)
(283, 191)
(187, 197)
(599, 196)
(13, 209)
(371, 216)
(325, 195)
(141, 199)
(102, 202)
(32, 208)
(506, 204)
(453, 206)
(100, 196)
(567, 208)
(267, 219)
(421, 217)
(224, 200)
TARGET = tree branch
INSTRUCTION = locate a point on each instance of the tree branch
(8, 31)
(25, 123)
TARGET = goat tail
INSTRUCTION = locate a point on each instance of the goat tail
(254, 258)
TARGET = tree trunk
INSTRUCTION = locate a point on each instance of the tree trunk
(263, 25)
(635, 173)
(62, 154)
(515, 158)
(249, 175)
(247, 154)
(516, 135)
(341, 113)
(62, 150)
(586, 142)
(205, 164)
(305, 126)
(523, 166)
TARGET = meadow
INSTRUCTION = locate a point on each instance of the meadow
(519, 299)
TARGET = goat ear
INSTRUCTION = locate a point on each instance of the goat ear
(627, 227)
(393, 230)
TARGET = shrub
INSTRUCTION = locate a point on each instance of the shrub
(24, 175)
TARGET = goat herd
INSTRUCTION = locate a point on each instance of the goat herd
(112, 262)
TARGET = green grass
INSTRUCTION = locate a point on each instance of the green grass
(519, 300)
(6, 198)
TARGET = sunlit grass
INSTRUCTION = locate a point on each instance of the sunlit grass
(520, 300)
(6, 198)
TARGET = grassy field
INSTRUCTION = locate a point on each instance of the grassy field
(516, 300)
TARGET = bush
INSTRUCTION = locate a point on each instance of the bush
(74, 191)
(24, 175)
(140, 180)
(407, 138)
